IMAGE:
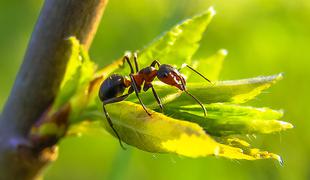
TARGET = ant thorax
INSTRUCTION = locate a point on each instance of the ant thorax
(147, 74)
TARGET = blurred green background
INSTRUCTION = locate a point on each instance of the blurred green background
(263, 37)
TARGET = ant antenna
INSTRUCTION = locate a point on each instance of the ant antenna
(185, 65)
(111, 125)
(202, 106)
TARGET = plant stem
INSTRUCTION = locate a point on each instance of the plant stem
(39, 79)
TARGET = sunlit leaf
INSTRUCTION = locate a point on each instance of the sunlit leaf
(234, 91)
(80, 70)
(227, 119)
(70, 81)
(209, 67)
(160, 133)
(181, 128)
(236, 147)
(180, 43)
(150, 132)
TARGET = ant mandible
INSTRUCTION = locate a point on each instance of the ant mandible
(112, 89)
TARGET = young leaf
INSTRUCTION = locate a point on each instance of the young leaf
(80, 70)
(227, 119)
(160, 133)
(180, 43)
(209, 67)
(234, 91)
(149, 133)
(186, 124)
(235, 148)
(70, 100)
(70, 81)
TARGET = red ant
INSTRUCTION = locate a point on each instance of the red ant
(112, 89)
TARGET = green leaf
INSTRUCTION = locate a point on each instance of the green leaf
(163, 134)
(234, 91)
(80, 99)
(227, 119)
(183, 122)
(180, 43)
(209, 67)
(70, 81)
(88, 67)
(150, 133)
(80, 71)
(235, 148)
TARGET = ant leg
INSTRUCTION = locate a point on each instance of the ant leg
(185, 65)
(155, 62)
(157, 98)
(112, 100)
(135, 58)
(148, 85)
(126, 58)
(202, 106)
(112, 127)
(134, 86)
(115, 99)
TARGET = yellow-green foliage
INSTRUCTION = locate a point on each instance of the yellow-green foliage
(182, 128)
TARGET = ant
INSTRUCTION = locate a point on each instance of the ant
(112, 89)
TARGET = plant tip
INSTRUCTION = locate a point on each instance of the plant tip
(281, 75)
(212, 10)
(69, 38)
(223, 52)
(286, 125)
(280, 161)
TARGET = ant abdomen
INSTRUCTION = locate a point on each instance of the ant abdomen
(112, 87)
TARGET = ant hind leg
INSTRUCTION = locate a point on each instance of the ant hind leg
(112, 127)
(113, 100)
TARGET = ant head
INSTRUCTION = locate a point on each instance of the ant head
(171, 76)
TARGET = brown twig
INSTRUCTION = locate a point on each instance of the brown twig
(39, 79)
